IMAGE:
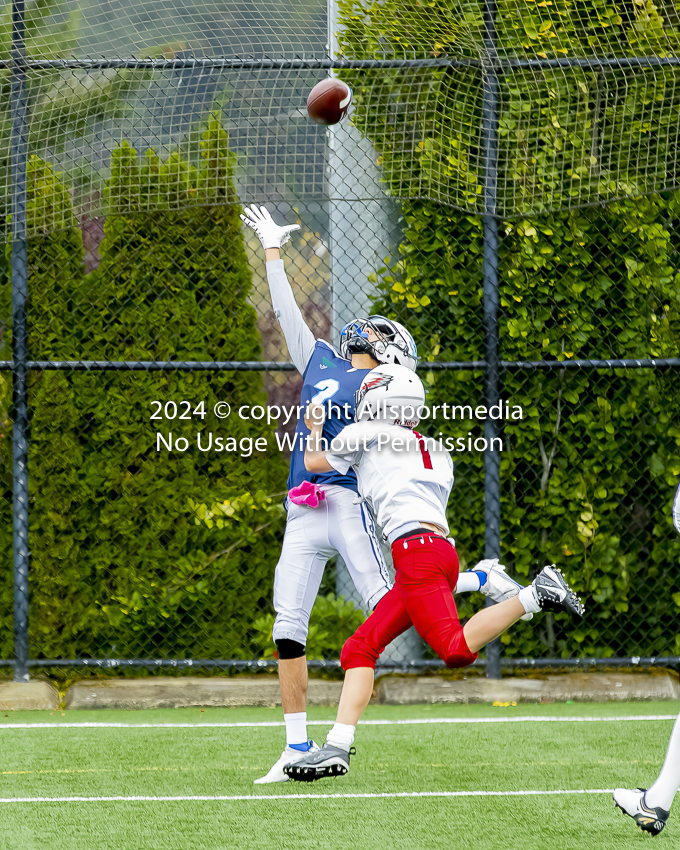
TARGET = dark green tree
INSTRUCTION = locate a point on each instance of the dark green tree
(61, 105)
(121, 562)
(565, 136)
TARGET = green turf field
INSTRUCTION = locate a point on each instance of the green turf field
(204, 760)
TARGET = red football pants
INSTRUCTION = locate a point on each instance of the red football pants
(426, 574)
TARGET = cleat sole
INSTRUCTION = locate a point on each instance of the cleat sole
(311, 774)
(329, 762)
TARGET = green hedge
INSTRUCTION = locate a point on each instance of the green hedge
(121, 563)
(564, 135)
(589, 473)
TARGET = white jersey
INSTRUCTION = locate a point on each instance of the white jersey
(405, 478)
(676, 510)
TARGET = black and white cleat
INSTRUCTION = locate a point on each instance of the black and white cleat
(632, 803)
(329, 761)
(554, 594)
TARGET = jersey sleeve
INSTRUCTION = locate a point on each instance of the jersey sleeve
(299, 339)
(676, 510)
(346, 448)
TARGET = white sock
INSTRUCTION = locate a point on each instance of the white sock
(661, 794)
(467, 582)
(529, 601)
(296, 728)
(342, 736)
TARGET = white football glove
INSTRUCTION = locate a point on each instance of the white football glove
(270, 233)
(498, 585)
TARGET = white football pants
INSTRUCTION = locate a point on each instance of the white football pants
(313, 535)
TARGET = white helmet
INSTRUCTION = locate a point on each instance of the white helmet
(390, 393)
(393, 343)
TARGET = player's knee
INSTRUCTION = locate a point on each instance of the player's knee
(350, 653)
(459, 654)
(460, 660)
(289, 649)
(357, 653)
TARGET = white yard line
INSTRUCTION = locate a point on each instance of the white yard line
(428, 721)
(260, 797)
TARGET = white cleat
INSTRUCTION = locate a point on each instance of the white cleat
(498, 585)
(288, 756)
(633, 804)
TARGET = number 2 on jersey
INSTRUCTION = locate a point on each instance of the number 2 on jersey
(327, 389)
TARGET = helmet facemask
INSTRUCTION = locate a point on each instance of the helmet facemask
(391, 344)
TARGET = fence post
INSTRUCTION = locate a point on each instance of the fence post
(18, 151)
(492, 498)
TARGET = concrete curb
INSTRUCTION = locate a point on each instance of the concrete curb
(190, 691)
(195, 691)
(579, 687)
(28, 696)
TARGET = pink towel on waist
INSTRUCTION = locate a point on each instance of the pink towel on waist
(306, 494)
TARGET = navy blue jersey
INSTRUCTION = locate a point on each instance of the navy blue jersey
(329, 380)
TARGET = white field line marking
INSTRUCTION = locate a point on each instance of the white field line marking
(260, 797)
(134, 769)
(428, 721)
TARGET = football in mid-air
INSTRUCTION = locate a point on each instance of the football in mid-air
(329, 101)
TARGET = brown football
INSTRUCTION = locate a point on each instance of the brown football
(329, 101)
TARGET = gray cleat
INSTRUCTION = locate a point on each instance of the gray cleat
(554, 594)
(328, 761)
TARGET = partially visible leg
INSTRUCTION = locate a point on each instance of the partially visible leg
(489, 623)
(352, 532)
(427, 573)
(293, 680)
(650, 809)
(494, 582)
(361, 651)
(359, 654)
(548, 591)
(296, 584)
(297, 578)
(666, 786)
(356, 694)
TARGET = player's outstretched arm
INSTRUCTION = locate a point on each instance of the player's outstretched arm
(299, 339)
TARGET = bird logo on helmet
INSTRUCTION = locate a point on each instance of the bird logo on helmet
(384, 339)
(390, 393)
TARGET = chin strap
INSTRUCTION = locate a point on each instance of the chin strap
(359, 345)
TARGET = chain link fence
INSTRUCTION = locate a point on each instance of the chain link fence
(529, 245)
